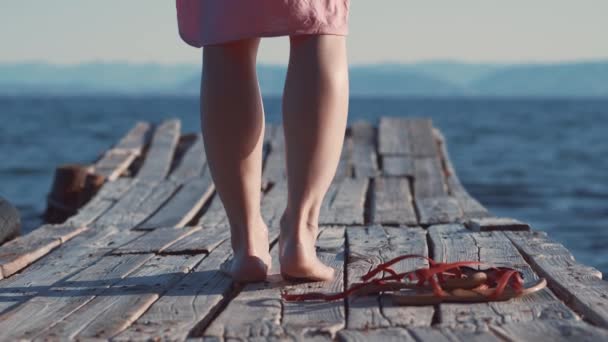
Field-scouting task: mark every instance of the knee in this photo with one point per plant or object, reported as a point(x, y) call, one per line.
point(320, 57)
point(232, 54)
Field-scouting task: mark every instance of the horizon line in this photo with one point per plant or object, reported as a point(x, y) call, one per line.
point(378, 63)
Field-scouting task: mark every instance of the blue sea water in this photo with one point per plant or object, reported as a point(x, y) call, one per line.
point(544, 161)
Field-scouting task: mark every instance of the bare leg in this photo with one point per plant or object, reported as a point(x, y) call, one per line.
point(232, 118)
point(315, 107)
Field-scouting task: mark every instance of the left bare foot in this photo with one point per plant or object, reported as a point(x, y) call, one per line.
point(298, 256)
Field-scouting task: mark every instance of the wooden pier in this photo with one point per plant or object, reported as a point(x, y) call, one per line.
point(140, 260)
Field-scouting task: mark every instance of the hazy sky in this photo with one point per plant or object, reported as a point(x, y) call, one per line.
point(64, 31)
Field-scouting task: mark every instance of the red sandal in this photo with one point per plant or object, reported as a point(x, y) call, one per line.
point(438, 283)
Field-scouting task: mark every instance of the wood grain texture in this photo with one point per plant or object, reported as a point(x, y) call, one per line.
point(436, 210)
point(406, 136)
point(35, 317)
point(345, 164)
point(118, 159)
point(139, 203)
point(203, 240)
point(393, 137)
point(429, 179)
point(183, 206)
point(550, 330)
point(392, 202)
point(160, 154)
point(274, 163)
point(344, 202)
point(122, 303)
point(451, 243)
point(388, 335)
point(364, 157)
point(367, 248)
point(76, 254)
point(398, 166)
point(273, 206)
point(496, 223)
point(113, 164)
point(191, 303)
point(192, 162)
point(580, 286)
point(319, 319)
point(215, 215)
point(258, 311)
point(254, 314)
point(423, 144)
point(22, 251)
point(136, 139)
point(156, 241)
point(443, 334)
point(105, 198)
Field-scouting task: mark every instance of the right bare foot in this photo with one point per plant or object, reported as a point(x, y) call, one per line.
point(251, 261)
point(298, 256)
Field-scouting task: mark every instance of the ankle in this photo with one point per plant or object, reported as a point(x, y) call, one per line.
point(298, 227)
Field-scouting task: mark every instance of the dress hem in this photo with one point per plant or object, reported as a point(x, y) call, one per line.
point(228, 39)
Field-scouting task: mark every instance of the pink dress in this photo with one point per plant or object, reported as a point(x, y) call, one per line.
point(207, 22)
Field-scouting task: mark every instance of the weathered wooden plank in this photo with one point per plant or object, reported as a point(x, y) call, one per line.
point(398, 166)
point(273, 206)
point(580, 286)
point(49, 306)
point(443, 334)
point(275, 163)
point(406, 136)
point(309, 320)
point(496, 223)
point(550, 330)
point(215, 215)
point(471, 208)
point(183, 206)
point(392, 203)
point(367, 248)
point(136, 138)
point(451, 243)
point(364, 158)
point(436, 210)
point(393, 136)
point(160, 154)
point(254, 314)
point(76, 254)
point(114, 163)
point(118, 159)
point(420, 133)
point(156, 241)
point(388, 335)
point(105, 198)
point(192, 163)
point(23, 250)
point(344, 202)
point(140, 201)
point(274, 168)
point(191, 303)
point(123, 302)
point(345, 164)
point(203, 240)
point(429, 178)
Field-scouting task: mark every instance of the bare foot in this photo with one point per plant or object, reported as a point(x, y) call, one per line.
point(298, 256)
point(251, 261)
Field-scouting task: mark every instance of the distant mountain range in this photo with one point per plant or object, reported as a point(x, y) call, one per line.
point(439, 78)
